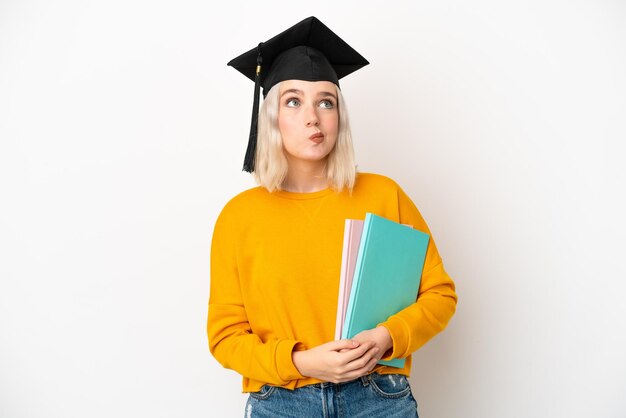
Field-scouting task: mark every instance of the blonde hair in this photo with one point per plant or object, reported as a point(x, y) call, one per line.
point(271, 164)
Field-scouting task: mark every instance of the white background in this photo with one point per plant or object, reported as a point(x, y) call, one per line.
point(122, 136)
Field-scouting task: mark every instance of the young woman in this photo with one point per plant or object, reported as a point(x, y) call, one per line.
point(276, 249)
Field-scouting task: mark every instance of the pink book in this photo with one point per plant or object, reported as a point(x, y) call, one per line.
point(351, 240)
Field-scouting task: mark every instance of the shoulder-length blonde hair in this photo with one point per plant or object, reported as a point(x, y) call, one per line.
point(270, 162)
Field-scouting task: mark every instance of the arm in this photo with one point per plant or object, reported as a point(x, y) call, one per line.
point(415, 325)
point(231, 340)
point(408, 330)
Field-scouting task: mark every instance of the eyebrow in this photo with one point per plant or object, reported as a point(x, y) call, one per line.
point(300, 92)
point(296, 91)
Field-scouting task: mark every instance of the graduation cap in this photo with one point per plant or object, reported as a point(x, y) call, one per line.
point(307, 51)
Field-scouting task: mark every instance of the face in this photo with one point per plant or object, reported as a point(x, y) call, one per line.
point(308, 120)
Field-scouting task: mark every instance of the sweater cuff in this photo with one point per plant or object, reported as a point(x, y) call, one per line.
point(287, 371)
point(399, 337)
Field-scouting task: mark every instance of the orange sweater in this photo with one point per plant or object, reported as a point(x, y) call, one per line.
point(275, 264)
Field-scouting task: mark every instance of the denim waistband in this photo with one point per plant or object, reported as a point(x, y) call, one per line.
point(365, 380)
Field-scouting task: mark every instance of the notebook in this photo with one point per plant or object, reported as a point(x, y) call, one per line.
point(387, 273)
point(351, 241)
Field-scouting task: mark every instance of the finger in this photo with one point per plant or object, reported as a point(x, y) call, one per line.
point(368, 367)
point(343, 345)
point(355, 374)
point(358, 352)
point(362, 361)
point(372, 364)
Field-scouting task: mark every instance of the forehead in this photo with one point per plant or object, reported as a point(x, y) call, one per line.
point(308, 87)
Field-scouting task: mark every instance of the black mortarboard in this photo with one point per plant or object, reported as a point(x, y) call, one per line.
point(308, 51)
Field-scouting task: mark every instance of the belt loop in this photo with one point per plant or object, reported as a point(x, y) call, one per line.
point(365, 380)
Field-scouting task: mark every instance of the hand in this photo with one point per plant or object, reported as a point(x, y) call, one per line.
point(379, 336)
point(337, 361)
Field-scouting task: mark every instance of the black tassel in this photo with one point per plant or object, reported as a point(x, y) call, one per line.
point(248, 162)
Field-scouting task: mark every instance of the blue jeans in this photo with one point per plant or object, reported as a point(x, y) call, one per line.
point(370, 396)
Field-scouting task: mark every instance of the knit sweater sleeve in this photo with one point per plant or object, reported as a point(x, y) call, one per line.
point(415, 325)
point(231, 339)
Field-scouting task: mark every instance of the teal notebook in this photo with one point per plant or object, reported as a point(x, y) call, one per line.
point(386, 276)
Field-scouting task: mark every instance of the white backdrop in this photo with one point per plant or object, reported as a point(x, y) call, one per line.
point(122, 136)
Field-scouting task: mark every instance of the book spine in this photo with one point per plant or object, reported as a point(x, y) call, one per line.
point(342, 279)
point(347, 326)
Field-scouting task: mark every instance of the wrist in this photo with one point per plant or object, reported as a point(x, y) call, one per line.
point(386, 340)
point(299, 359)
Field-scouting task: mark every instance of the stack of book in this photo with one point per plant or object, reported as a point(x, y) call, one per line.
point(381, 269)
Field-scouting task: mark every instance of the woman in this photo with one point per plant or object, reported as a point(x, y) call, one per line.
point(276, 249)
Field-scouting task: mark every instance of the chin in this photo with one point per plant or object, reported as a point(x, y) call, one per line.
point(316, 158)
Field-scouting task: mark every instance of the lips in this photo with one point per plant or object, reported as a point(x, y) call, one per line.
point(317, 138)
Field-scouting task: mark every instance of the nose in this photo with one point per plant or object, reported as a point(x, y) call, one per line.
point(312, 119)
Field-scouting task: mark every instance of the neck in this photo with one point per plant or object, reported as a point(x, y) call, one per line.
point(305, 178)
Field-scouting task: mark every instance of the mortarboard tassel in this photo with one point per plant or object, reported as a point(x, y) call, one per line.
point(248, 163)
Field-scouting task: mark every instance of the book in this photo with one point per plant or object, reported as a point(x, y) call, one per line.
point(387, 274)
point(351, 241)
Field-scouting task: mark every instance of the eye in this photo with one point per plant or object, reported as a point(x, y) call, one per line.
point(327, 104)
point(292, 102)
